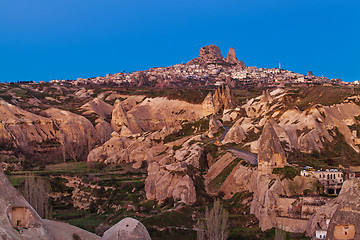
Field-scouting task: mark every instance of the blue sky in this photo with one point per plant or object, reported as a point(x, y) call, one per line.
point(67, 39)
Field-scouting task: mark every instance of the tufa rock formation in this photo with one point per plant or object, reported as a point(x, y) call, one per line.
point(231, 58)
point(154, 113)
point(127, 229)
point(214, 126)
point(236, 133)
point(120, 118)
point(45, 137)
point(222, 98)
point(211, 54)
point(343, 212)
point(169, 177)
point(271, 154)
point(208, 55)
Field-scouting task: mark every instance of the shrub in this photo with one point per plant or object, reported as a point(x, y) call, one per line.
point(286, 172)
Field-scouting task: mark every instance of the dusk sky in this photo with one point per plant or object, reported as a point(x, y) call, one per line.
point(67, 39)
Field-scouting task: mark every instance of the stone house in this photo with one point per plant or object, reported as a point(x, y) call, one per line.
point(331, 180)
point(21, 217)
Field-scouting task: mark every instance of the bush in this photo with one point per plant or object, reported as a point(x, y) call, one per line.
point(286, 172)
point(101, 229)
point(96, 165)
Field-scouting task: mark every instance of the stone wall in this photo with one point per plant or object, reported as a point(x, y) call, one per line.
point(291, 224)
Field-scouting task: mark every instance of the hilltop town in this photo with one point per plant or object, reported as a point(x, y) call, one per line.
point(209, 69)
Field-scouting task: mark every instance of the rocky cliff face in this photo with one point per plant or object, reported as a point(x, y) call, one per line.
point(212, 55)
point(270, 154)
point(20, 129)
point(344, 212)
point(222, 98)
point(120, 149)
point(208, 54)
point(76, 134)
point(97, 106)
point(308, 130)
point(45, 136)
point(170, 177)
point(231, 58)
point(120, 118)
point(155, 113)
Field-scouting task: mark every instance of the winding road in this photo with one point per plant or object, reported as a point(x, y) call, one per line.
point(247, 156)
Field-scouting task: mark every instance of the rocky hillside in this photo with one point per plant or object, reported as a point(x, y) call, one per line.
point(245, 146)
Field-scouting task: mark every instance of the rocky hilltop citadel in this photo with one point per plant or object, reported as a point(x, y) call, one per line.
point(209, 69)
point(280, 149)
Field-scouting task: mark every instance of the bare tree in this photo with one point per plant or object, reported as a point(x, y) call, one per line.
point(36, 192)
point(63, 145)
point(89, 141)
point(215, 224)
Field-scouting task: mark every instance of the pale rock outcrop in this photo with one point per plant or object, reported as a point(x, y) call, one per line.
point(19, 128)
point(168, 177)
point(97, 106)
point(120, 118)
point(125, 131)
point(120, 149)
point(36, 134)
point(231, 115)
point(222, 98)
point(127, 229)
point(343, 210)
point(134, 149)
point(271, 154)
point(84, 93)
point(208, 105)
point(266, 97)
point(208, 54)
point(307, 130)
point(165, 131)
point(169, 181)
point(268, 190)
point(131, 101)
point(76, 132)
point(155, 113)
point(191, 154)
point(273, 209)
point(236, 133)
point(242, 178)
point(214, 126)
point(231, 58)
point(103, 130)
point(65, 231)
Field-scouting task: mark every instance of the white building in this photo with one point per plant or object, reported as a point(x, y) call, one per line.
point(321, 234)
